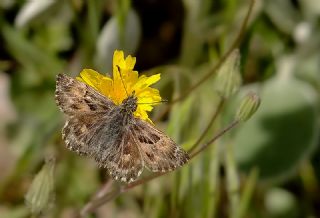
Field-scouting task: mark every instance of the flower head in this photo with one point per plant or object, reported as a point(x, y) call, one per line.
point(124, 83)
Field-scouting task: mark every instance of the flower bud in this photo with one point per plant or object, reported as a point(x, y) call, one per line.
point(40, 193)
point(228, 79)
point(248, 106)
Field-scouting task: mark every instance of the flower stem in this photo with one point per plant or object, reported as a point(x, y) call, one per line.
point(213, 118)
point(221, 133)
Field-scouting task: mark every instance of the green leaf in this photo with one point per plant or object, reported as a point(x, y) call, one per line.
point(282, 132)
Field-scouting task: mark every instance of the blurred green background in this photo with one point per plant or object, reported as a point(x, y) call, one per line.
point(268, 166)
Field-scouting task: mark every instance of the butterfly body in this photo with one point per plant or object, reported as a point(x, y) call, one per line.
point(111, 134)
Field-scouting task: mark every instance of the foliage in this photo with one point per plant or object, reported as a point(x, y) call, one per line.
point(266, 167)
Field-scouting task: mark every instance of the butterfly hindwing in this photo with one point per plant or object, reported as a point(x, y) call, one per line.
point(159, 152)
point(124, 162)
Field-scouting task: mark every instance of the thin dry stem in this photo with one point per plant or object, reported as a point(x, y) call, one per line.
point(102, 196)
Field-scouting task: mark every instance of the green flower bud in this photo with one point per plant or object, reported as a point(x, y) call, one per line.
point(40, 193)
point(248, 106)
point(228, 79)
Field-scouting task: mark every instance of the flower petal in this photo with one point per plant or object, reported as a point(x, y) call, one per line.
point(130, 62)
point(125, 81)
point(153, 79)
point(120, 92)
point(142, 114)
point(101, 83)
point(145, 81)
point(118, 59)
point(91, 77)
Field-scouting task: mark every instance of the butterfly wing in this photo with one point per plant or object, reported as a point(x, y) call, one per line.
point(121, 156)
point(110, 144)
point(79, 130)
point(84, 107)
point(74, 97)
point(159, 152)
point(114, 147)
point(92, 129)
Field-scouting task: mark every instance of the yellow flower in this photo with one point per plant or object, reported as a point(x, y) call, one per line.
point(119, 87)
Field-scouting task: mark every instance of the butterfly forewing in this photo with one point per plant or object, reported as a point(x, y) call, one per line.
point(84, 107)
point(74, 97)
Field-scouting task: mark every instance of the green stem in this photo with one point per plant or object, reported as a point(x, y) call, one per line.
point(213, 118)
point(233, 186)
point(221, 133)
point(246, 195)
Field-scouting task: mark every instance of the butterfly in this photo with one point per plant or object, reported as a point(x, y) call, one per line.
point(111, 134)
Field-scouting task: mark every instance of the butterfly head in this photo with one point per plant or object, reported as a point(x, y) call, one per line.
point(130, 104)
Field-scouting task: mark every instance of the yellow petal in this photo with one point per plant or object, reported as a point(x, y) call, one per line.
point(101, 83)
point(130, 62)
point(80, 79)
point(106, 87)
point(130, 80)
point(148, 95)
point(142, 115)
point(118, 59)
point(91, 77)
point(125, 81)
point(119, 90)
point(153, 79)
point(146, 107)
point(145, 81)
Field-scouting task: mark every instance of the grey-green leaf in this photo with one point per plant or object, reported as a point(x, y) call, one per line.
point(282, 132)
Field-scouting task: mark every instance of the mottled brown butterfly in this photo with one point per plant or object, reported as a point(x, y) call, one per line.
point(111, 134)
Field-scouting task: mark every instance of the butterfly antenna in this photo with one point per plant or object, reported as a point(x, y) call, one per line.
point(124, 85)
point(155, 102)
